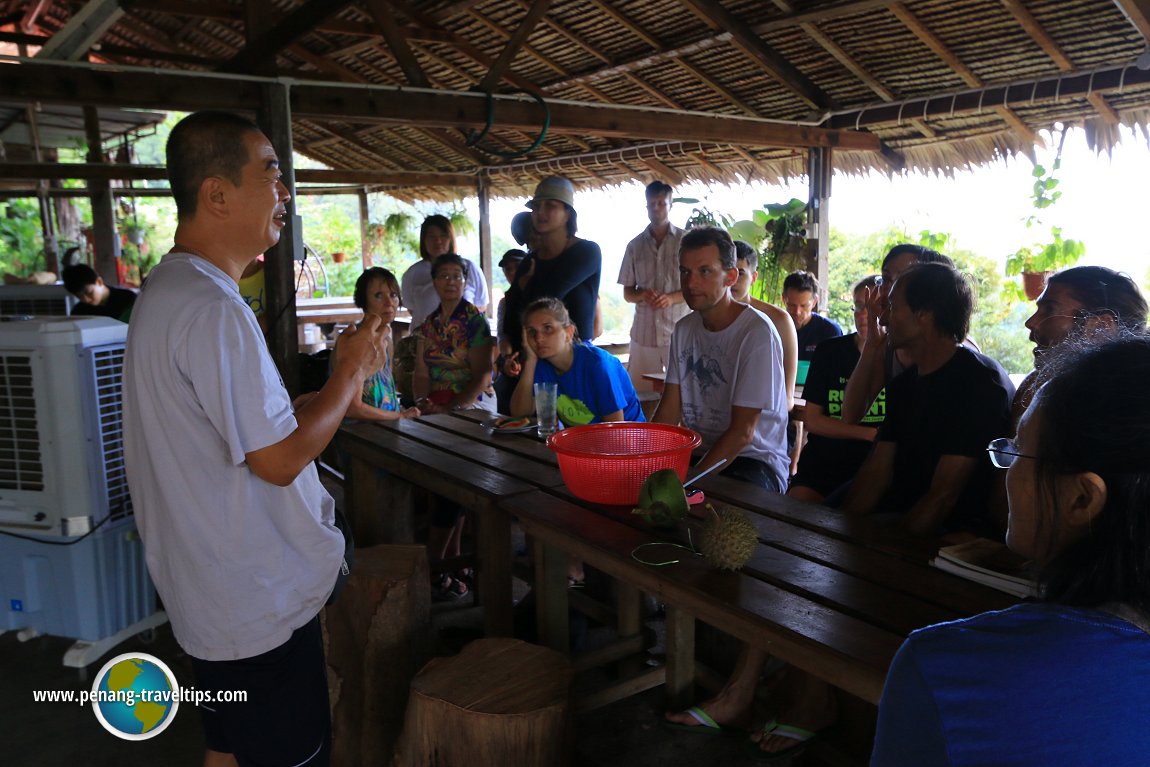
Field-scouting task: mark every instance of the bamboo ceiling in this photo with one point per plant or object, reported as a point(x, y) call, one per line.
point(935, 85)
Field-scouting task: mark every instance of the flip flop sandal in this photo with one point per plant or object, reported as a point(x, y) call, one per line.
point(802, 738)
point(706, 725)
point(448, 589)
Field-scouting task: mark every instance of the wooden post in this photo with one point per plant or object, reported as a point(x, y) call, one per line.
point(499, 702)
point(551, 606)
point(279, 262)
point(381, 506)
point(364, 215)
point(486, 258)
point(680, 657)
point(107, 243)
point(820, 168)
point(377, 635)
point(47, 226)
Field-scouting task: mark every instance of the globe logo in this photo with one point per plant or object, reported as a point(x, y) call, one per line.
point(135, 696)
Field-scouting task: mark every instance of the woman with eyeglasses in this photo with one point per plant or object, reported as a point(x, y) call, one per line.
point(1065, 680)
point(452, 372)
point(453, 357)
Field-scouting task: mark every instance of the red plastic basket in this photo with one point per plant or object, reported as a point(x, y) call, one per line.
point(607, 462)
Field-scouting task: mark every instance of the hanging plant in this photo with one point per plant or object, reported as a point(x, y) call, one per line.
point(1036, 261)
point(786, 231)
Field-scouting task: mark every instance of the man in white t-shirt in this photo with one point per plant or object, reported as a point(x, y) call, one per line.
point(238, 533)
point(725, 368)
point(650, 279)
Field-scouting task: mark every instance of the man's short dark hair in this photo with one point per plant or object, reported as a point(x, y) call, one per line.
point(1101, 290)
point(202, 145)
point(944, 292)
point(703, 236)
point(922, 254)
point(744, 252)
point(801, 282)
point(77, 277)
point(658, 189)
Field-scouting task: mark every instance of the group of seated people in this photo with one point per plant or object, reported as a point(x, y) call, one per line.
point(899, 414)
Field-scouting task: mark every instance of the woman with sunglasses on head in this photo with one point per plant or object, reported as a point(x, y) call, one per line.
point(1062, 681)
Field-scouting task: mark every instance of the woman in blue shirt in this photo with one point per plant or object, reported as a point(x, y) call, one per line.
point(1064, 680)
point(593, 385)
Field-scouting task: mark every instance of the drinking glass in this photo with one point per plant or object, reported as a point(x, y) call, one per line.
point(546, 402)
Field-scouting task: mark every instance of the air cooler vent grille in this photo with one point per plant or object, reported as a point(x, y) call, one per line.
point(56, 306)
point(108, 366)
point(20, 464)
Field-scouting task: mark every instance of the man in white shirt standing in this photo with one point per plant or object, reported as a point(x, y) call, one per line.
point(725, 370)
point(239, 535)
point(650, 279)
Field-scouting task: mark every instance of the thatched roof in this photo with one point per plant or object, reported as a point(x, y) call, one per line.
point(933, 85)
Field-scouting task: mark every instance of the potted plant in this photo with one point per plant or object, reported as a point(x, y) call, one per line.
point(338, 257)
point(1038, 261)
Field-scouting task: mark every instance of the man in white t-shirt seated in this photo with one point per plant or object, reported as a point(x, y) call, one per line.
point(725, 368)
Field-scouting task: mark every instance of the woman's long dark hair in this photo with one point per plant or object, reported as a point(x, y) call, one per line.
point(1094, 415)
point(439, 222)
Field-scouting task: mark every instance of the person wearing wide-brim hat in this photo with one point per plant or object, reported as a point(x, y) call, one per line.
point(560, 265)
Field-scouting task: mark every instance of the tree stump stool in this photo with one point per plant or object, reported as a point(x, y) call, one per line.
point(377, 636)
point(499, 702)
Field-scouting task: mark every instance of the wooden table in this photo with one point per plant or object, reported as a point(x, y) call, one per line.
point(455, 457)
point(832, 595)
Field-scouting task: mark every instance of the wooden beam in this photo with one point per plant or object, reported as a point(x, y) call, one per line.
point(454, 9)
point(511, 49)
point(82, 31)
point(92, 171)
point(725, 93)
point(325, 64)
point(188, 92)
point(290, 28)
point(384, 18)
point(756, 47)
point(666, 174)
point(1138, 13)
point(1052, 49)
point(1073, 84)
point(723, 38)
point(948, 57)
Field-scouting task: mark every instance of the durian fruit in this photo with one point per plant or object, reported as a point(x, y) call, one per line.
point(729, 538)
point(662, 500)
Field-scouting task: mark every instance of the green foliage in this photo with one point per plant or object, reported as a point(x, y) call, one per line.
point(852, 257)
point(21, 238)
point(785, 225)
point(1056, 253)
point(997, 324)
point(1046, 257)
point(777, 232)
point(701, 215)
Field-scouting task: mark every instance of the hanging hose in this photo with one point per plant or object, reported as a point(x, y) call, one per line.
point(473, 139)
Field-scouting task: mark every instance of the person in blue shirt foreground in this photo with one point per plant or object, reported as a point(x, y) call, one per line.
point(593, 385)
point(1063, 680)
